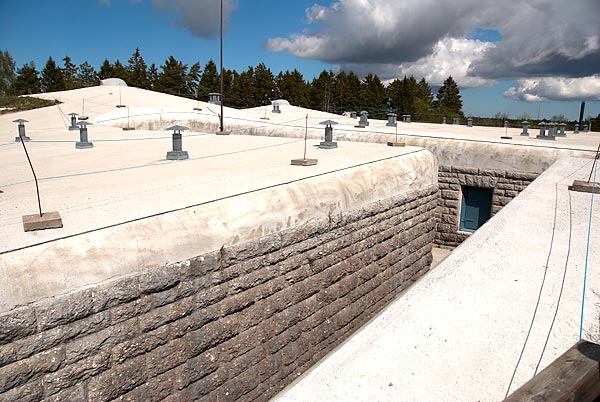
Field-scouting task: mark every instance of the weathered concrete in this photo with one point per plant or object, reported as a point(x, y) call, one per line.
point(264, 194)
point(237, 323)
point(457, 334)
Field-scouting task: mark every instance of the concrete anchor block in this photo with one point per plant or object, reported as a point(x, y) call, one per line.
point(177, 155)
point(304, 162)
point(48, 220)
point(585, 186)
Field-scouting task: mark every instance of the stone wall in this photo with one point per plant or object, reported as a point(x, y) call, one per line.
point(506, 185)
point(238, 323)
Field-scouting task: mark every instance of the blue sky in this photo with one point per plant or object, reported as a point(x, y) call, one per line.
point(419, 37)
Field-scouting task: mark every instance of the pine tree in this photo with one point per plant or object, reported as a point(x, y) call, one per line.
point(424, 98)
point(322, 91)
point(373, 93)
point(172, 79)
point(346, 91)
point(7, 72)
point(152, 76)
point(137, 71)
point(119, 71)
point(293, 87)
point(448, 98)
point(262, 84)
point(27, 81)
point(70, 74)
point(228, 77)
point(52, 77)
point(193, 80)
point(86, 75)
point(106, 70)
point(209, 82)
point(241, 90)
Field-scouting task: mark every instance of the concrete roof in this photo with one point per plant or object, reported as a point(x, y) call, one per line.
point(125, 207)
point(479, 147)
point(457, 334)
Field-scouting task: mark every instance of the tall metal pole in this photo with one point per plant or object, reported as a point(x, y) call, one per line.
point(221, 56)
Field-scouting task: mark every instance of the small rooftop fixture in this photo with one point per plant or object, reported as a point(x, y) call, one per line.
point(177, 153)
point(22, 135)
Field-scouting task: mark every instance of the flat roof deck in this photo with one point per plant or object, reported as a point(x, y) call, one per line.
point(457, 334)
point(126, 176)
point(145, 105)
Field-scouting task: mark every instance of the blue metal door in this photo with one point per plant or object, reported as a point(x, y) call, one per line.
point(475, 208)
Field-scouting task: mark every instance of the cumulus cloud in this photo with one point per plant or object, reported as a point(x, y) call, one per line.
point(556, 88)
point(448, 57)
point(539, 37)
point(200, 17)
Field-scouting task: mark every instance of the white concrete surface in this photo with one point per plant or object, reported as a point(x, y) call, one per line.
point(125, 208)
point(452, 144)
point(456, 335)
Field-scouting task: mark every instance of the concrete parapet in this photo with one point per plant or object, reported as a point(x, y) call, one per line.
point(275, 302)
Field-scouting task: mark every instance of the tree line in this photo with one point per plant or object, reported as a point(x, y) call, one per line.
point(332, 92)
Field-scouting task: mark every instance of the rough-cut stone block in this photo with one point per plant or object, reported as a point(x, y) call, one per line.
point(243, 321)
point(130, 310)
point(92, 344)
point(117, 381)
point(22, 371)
point(202, 365)
point(521, 176)
point(73, 394)
point(165, 314)
point(30, 392)
point(207, 384)
point(48, 220)
point(167, 357)
point(158, 279)
point(72, 374)
point(17, 324)
point(48, 339)
point(154, 390)
point(465, 170)
point(8, 354)
point(65, 309)
point(115, 293)
point(140, 344)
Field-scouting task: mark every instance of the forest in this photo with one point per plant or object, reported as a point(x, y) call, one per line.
point(256, 86)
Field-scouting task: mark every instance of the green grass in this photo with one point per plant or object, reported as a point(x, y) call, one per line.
point(21, 103)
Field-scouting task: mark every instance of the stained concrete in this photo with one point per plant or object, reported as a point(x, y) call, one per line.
point(115, 199)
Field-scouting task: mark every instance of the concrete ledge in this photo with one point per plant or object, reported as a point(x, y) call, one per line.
point(48, 220)
point(63, 265)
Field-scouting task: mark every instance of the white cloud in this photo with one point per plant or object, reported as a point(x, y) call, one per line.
point(450, 57)
point(200, 17)
point(539, 37)
point(556, 88)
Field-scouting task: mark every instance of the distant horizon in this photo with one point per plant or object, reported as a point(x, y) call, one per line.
point(333, 36)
